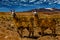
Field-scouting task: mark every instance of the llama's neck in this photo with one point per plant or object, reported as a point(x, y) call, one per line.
point(13, 14)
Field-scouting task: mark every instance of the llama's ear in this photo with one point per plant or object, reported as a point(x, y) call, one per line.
point(12, 11)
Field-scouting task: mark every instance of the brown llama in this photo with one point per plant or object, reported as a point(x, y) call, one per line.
point(20, 24)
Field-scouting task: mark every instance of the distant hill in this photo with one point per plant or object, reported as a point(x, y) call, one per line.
point(46, 9)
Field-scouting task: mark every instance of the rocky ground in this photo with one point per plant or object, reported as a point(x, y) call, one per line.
point(9, 33)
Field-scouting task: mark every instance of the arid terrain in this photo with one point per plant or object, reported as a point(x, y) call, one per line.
point(9, 27)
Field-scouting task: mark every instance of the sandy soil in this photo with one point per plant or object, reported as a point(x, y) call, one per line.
point(9, 33)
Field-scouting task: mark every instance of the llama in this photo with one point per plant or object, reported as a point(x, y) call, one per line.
point(20, 27)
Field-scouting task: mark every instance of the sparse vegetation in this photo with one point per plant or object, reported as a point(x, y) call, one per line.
point(8, 25)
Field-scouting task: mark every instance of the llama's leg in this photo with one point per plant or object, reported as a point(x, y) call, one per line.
point(28, 29)
point(29, 32)
point(32, 32)
point(54, 32)
point(51, 30)
point(20, 31)
point(42, 31)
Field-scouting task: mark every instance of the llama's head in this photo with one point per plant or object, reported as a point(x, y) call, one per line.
point(13, 14)
point(34, 12)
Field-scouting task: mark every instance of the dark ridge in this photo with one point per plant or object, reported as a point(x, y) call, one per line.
point(45, 10)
